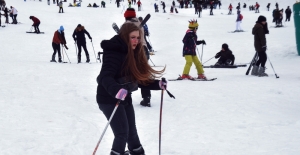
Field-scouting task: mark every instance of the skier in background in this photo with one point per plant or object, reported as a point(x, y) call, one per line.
point(259, 31)
point(36, 24)
point(79, 38)
point(225, 56)
point(58, 38)
point(230, 9)
point(189, 52)
point(238, 22)
point(288, 13)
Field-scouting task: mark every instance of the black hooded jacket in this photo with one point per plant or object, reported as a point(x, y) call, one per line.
point(80, 38)
point(111, 77)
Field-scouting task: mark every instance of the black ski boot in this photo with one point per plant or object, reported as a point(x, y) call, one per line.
point(116, 153)
point(87, 59)
point(53, 59)
point(59, 60)
point(79, 59)
point(146, 102)
point(138, 151)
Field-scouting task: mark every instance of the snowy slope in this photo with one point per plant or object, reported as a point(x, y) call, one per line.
point(50, 109)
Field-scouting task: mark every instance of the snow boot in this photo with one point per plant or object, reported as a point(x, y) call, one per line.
point(254, 70)
point(59, 60)
point(87, 59)
point(116, 153)
point(201, 76)
point(53, 59)
point(146, 102)
point(79, 59)
point(138, 151)
point(261, 72)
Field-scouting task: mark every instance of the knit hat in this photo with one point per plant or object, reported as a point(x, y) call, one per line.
point(79, 25)
point(129, 13)
point(261, 19)
point(225, 46)
point(193, 24)
point(61, 28)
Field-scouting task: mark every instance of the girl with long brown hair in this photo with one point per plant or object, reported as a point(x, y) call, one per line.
point(124, 69)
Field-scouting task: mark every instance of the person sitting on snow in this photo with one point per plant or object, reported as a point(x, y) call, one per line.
point(95, 5)
point(225, 56)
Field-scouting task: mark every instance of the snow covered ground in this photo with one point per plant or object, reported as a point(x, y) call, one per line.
point(50, 108)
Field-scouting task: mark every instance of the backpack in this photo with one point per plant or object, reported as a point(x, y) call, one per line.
point(241, 16)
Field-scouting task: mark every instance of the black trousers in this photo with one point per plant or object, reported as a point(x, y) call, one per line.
point(62, 10)
point(262, 58)
point(288, 18)
point(56, 48)
point(36, 27)
point(123, 126)
point(83, 45)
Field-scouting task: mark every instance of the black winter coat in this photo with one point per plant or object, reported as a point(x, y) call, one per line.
point(224, 56)
point(80, 38)
point(110, 79)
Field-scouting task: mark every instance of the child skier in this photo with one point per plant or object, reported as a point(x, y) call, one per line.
point(189, 52)
point(225, 56)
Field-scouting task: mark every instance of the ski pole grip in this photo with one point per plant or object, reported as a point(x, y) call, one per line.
point(163, 79)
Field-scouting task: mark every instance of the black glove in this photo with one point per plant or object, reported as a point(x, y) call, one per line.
point(201, 42)
point(91, 39)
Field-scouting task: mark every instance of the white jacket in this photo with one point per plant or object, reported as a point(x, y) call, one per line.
point(14, 11)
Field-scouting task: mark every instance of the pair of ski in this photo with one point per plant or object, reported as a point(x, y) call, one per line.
point(225, 66)
point(194, 79)
point(36, 33)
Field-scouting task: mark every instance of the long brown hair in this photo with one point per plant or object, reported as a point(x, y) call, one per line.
point(136, 67)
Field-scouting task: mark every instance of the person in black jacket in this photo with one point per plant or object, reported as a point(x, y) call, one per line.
point(80, 40)
point(124, 69)
point(225, 56)
point(288, 13)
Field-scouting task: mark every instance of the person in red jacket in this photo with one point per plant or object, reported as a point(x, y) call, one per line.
point(139, 3)
point(230, 9)
point(36, 24)
point(58, 38)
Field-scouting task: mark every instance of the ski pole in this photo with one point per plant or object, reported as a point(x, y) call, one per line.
point(152, 61)
point(201, 53)
point(76, 50)
point(208, 60)
point(160, 116)
point(30, 29)
point(150, 41)
point(251, 63)
point(110, 118)
point(94, 50)
point(273, 68)
point(62, 52)
point(67, 55)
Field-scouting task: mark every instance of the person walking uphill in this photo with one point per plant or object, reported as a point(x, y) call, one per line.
point(58, 38)
point(79, 38)
point(36, 24)
point(259, 31)
point(189, 52)
point(124, 69)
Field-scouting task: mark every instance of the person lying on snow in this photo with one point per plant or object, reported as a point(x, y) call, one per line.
point(225, 56)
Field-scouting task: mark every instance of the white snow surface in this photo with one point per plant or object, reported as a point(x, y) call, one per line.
point(50, 108)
